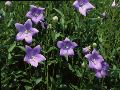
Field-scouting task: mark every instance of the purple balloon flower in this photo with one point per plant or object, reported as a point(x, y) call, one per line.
point(82, 6)
point(25, 31)
point(36, 14)
point(32, 55)
point(103, 72)
point(66, 47)
point(95, 60)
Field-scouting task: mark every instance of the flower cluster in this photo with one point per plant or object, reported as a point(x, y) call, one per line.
point(36, 15)
point(26, 32)
point(96, 62)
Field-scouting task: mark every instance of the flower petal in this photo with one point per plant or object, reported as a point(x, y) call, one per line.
point(20, 27)
point(35, 20)
point(36, 50)
point(34, 63)
point(88, 6)
point(95, 65)
point(76, 5)
point(82, 10)
point(70, 51)
point(34, 31)
point(74, 44)
point(28, 24)
point(67, 39)
point(28, 38)
point(60, 44)
point(20, 36)
point(40, 58)
point(29, 15)
point(63, 52)
point(88, 56)
point(101, 74)
point(28, 49)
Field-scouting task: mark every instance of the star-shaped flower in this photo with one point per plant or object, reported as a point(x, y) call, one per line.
point(82, 6)
point(32, 55)
point(25, 31)
point(66, 47)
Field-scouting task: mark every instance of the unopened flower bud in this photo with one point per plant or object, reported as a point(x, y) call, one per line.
point(8, 3)
point(55, 18)
point(83, 64)
point(49, 26)
point(94, 45)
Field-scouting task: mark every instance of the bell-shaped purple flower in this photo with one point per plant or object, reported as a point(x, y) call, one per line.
point(95, 60)
point(66, 47)
point(82, 6)
point(36, 14)
point(32, 55)
point(103, 72)
point(25, 31)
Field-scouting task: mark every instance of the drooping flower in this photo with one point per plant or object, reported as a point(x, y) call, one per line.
point(95, 60)
point(82, 6)
point(66, 47)
point(103, 72)
point(8, 3)
point(36, 14)
point(32, 55)
point(25, 31)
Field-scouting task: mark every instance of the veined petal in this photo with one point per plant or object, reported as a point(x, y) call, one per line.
point(88, 6)
point(63, 52)
point(36, 50)
point(67, 39)
point(70, 51)
point(28, 49)
point(95, 65)
point(34, 31)
point(20, 36)
point(101, 74)
point(20, 27)
point(35, 20)
point(88, 56)
point(29, 15)
point(40, 58)
point(28, 38)
point(82, 10)
point(60, 44)
point(28, 24)
point(76, 5)
point(34, 63)
point(74, 44)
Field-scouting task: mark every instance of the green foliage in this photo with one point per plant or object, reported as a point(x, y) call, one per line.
point(60, 73)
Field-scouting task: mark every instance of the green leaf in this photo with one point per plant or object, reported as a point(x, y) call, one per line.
point(21, 47)
point(51, 48)
point(9, 56)
point(12, 47)
point(62, 15)
point(28, 87)
point(38, 80)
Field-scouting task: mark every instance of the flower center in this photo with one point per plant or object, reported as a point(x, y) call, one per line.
point(32, 58)
point(27, 31)
point(66, 47)
point(94, 61)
